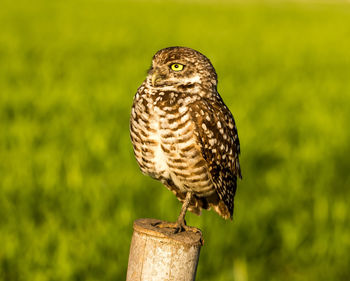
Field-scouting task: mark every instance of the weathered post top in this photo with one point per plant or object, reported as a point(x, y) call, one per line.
point(157, 253)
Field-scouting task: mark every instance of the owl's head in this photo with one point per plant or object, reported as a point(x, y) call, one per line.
point(181, 67)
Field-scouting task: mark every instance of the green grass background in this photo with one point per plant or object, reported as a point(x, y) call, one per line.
point(70, 187)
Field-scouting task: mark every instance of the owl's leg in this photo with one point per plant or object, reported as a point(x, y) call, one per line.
point(181, 223)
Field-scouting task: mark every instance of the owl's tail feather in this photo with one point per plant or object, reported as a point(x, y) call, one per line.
point(212, 201)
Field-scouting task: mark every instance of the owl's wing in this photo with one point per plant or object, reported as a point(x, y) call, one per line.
point(218, 139)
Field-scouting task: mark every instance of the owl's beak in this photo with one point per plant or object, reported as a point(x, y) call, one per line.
point(155, 76)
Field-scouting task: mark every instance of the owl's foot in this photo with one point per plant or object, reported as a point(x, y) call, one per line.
point(182, 226)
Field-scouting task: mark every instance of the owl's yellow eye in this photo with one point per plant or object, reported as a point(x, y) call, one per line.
point(177, 66)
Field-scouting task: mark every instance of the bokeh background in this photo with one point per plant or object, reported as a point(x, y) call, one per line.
point(70, 187)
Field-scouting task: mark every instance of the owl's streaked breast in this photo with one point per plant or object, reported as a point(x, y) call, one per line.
point(165, 142)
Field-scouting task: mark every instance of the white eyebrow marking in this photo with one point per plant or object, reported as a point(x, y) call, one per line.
point(191, 80)
point(195, 79)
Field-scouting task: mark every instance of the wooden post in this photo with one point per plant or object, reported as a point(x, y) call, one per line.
point(157, 254)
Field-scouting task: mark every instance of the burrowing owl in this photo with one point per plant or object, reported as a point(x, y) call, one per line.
point(184, 135)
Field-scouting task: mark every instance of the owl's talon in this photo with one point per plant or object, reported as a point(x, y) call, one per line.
point(180, 226)
point(185, 228)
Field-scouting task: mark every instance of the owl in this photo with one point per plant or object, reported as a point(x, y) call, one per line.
point(184, 135)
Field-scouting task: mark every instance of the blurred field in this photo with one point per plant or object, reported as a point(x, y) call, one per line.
point(70, 187)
